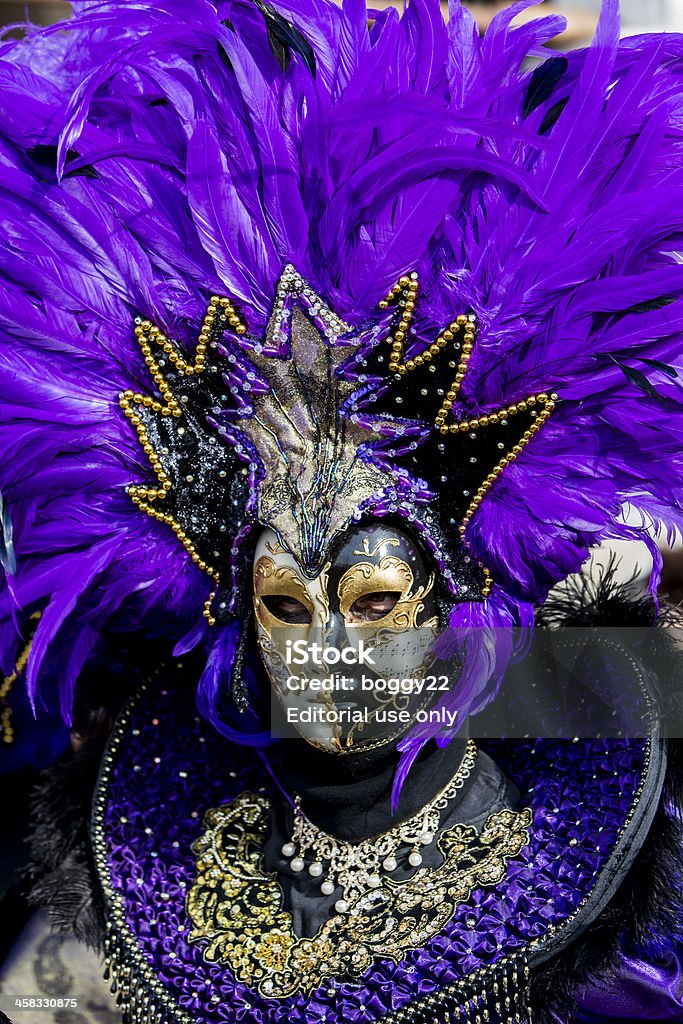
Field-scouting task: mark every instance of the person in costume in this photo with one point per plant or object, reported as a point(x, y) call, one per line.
point(336, 325)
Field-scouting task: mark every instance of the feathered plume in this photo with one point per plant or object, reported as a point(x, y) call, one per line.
point(157, 153)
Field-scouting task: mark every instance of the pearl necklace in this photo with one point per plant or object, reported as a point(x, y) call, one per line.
point(356, 867)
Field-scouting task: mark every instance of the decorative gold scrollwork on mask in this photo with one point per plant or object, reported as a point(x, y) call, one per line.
point(393, 575)
point(271, 579)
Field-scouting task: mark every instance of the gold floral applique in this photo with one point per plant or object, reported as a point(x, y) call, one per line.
point(236, 907)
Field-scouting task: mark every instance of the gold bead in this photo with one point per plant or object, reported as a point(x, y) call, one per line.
point(399, 336)
point(461, 320)
point(404, 282)
point(240, 329)
point(383, 304)
point(410, 365)
point(447, 335)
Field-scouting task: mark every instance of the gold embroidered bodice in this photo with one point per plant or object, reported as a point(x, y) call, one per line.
point(237, 907)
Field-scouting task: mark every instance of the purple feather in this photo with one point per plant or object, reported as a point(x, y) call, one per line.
point(156, 151)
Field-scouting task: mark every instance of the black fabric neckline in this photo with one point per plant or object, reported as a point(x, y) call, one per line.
point(350, 797)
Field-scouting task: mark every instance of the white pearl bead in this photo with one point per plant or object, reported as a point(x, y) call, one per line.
point(342, 906)
point(327, 888)
point(426, 838)
point(296, 864)
point(289, 849)
point(415, 859)
point(374, 881)
point(390, 864)
point(316, 869)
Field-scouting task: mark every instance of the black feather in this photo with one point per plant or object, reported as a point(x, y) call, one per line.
point(285, 37)
point(552, 116)
point(639, 380)
point(657, 364)
point(652, 304)
point(61, 876)
point(543, 82)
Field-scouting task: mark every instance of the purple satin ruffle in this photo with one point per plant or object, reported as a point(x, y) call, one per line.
point(638, 992)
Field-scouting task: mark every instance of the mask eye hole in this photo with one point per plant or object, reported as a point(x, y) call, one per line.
point(374, 606)
point(287, 609)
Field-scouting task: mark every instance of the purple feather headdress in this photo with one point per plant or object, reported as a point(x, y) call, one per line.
point(487, 258)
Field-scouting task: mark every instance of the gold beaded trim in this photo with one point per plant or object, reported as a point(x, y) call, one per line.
point(407, 289)
point(6, 727)
point(149, 335)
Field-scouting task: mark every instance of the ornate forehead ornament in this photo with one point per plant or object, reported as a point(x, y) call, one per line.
point(314, 426)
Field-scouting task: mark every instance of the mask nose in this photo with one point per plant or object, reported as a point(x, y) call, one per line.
point(330, 634)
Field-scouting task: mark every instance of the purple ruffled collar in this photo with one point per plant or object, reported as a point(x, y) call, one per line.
point(165, 768)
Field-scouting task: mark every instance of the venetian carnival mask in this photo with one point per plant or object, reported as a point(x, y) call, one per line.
point(347, 649)
point(310, 427)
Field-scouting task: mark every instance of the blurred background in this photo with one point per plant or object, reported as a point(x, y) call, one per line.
point(638, 15)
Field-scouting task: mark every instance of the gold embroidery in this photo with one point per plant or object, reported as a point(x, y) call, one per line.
point(237, 907)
